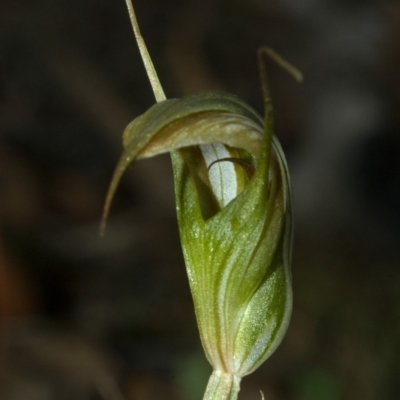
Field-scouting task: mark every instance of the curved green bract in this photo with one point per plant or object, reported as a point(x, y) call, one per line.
point(147, 128)
point(166, 112)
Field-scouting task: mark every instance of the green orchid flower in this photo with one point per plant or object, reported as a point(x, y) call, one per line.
point(234, 209)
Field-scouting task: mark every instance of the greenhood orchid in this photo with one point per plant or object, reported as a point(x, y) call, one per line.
point(233, 202)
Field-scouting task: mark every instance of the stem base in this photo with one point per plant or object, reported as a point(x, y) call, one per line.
point(222, 386)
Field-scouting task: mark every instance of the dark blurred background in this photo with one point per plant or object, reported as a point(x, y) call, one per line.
point(87, 318)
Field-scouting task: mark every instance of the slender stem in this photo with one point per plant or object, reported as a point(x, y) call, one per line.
point(148, 64)
point(222, 386)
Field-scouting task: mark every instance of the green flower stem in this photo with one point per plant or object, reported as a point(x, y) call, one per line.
point(222, 386)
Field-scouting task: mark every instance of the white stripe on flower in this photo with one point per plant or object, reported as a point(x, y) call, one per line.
point(222, 175)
